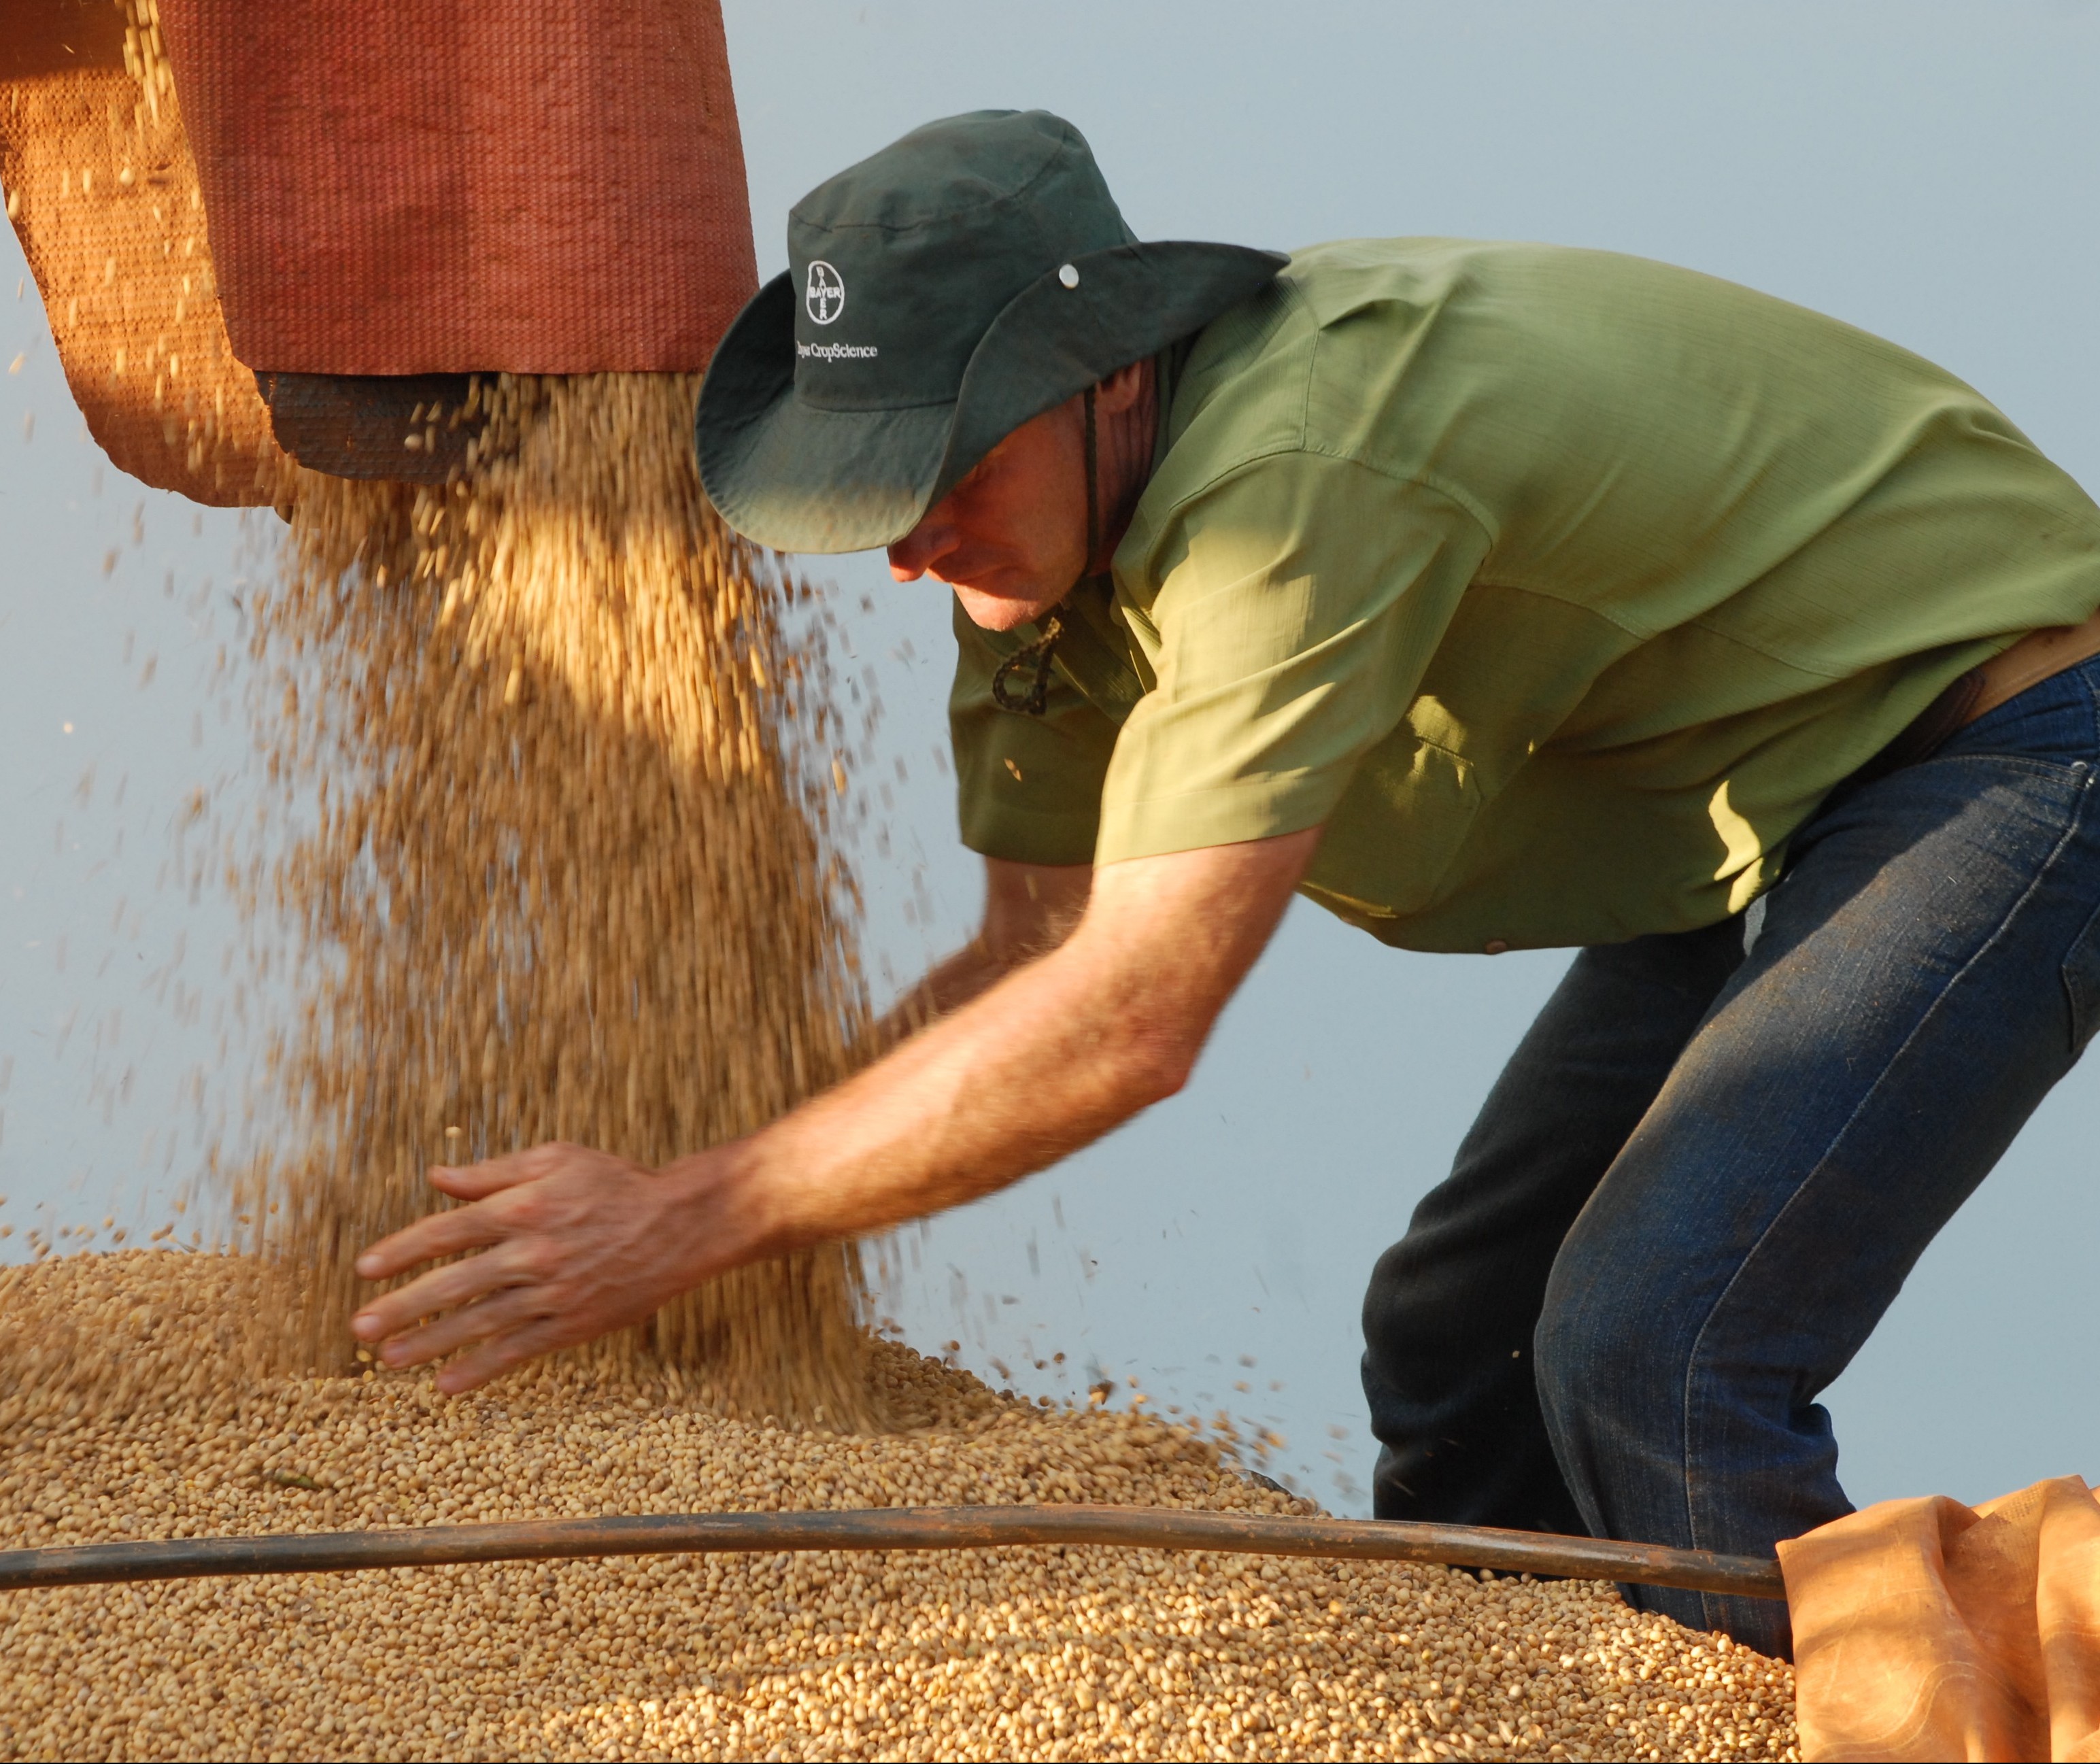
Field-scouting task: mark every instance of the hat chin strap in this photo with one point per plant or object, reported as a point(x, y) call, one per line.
point(1051, 626)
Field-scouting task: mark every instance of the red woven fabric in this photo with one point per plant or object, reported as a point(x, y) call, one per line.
point(405, 187)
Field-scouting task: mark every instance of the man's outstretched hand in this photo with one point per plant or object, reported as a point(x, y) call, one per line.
point(1020, 1070)
point(573, 1243)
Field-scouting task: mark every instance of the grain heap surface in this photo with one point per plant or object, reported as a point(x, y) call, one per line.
point(548, 858)
point(1026, 1653)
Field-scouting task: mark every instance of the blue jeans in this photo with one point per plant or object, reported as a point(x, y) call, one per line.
point(1705, 1174)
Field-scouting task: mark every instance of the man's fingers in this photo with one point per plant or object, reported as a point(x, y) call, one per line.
point(531, 1215)
point(442, 1288)
point(492, 1316)
point(463, 1227)
point(491, 1175)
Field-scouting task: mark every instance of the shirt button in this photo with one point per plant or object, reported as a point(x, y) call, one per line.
point(1496, 945)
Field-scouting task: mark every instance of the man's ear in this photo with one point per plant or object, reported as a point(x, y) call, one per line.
point(1122, 388)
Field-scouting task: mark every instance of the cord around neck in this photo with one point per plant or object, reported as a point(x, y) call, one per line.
point(1040, 654)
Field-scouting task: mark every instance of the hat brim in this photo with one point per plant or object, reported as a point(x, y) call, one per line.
point(795, 478)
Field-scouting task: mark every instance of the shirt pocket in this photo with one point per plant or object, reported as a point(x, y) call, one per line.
point(1398, 830)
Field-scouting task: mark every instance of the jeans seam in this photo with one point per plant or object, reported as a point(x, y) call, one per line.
point(2022, 762)
point(2080, 1012)
point(2073, 823)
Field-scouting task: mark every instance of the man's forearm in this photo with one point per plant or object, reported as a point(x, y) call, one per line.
point(1034, 1067)
point(1043, 1061)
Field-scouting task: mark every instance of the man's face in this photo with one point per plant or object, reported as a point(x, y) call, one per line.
point(1010, 538)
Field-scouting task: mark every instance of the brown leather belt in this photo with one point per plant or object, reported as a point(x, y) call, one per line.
point(2031, 660)
point(2034, 658)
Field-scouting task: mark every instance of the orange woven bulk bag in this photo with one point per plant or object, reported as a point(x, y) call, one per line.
point(104, 196)
point(399, 186)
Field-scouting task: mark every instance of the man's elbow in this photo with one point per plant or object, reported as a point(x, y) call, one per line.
point(1161, 1059)
point(1167, 1078)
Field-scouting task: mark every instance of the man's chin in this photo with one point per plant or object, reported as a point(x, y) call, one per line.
point(999, 612)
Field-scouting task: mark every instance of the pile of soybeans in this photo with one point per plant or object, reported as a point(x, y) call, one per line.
point(552, 772)
point(1033, 1653)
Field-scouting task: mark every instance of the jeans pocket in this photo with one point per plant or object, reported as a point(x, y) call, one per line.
point(2081, 983)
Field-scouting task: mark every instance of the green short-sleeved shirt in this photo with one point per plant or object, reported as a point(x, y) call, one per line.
point(1559, 586)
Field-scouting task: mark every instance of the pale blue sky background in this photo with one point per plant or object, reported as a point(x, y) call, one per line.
point(1923, 169)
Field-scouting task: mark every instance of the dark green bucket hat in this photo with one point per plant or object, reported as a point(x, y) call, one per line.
point(939, 295)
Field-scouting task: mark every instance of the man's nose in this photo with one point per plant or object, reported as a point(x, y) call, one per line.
point(924, 546)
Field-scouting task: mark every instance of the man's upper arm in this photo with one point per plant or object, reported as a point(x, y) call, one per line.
point(1299, 602)
point(1028, 789)
point(1031, 907)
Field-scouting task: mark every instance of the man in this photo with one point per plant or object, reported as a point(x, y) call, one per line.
point(1493, 597)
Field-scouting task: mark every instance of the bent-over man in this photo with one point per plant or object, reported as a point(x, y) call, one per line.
point(1494, 597)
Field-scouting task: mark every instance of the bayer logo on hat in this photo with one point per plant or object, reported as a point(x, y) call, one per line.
point(825, 294)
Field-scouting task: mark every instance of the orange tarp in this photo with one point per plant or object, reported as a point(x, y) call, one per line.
point(1924, 1628)
point(203, 188)
point(396, 187)
point(104, 196)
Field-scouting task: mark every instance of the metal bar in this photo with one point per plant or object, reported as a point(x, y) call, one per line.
point(909, 1527)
